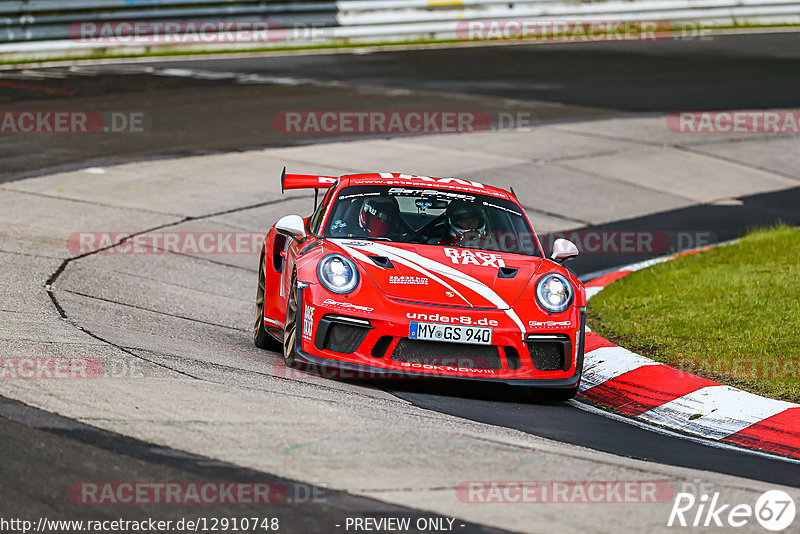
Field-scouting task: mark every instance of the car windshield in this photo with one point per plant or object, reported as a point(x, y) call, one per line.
point(409, 214)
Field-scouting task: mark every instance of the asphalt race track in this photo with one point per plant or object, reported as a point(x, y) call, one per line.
point(222, 104)
point(146, 308)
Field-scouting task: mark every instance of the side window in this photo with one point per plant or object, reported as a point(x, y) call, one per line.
point(316, 218)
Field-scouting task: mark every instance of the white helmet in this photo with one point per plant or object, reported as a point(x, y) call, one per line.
point(465, 218)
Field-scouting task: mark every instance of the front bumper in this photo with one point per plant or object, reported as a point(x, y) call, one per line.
point(361, 360)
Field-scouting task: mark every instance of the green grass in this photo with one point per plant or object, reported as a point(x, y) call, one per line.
point(731, 314)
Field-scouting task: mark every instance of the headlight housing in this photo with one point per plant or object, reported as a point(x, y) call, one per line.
point(554, 292)
point(337, 273)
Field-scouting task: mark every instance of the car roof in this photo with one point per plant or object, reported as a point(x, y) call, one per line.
point(413, 180)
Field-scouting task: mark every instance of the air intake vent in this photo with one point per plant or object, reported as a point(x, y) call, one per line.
point(449, 354)
point(507, 272)
point(381, 346)
point(512, 357)
point(340, 334)
point(550, 353)
point(382, 261)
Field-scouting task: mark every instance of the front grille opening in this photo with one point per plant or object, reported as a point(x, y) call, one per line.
point(342, 338)
point(549, 354)
point(512, 358)
point(447, 354)
point(381, 346)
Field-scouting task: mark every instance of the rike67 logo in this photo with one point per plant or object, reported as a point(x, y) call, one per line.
point(774, 510)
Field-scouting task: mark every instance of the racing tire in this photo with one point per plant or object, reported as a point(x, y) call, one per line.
point(261, 338)
point(290, 327)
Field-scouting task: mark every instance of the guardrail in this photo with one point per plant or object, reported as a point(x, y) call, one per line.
point(36, 20)
point(444, 18)
point(31, 25)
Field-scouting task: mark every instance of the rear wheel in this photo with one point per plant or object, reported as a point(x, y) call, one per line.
point(290, 326)
point(261, 337)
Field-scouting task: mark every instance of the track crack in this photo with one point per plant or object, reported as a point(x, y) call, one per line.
point(142, 308)
point(50, 283)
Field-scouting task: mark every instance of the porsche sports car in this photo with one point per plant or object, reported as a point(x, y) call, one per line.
point(405, 276)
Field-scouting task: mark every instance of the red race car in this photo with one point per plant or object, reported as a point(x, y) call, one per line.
point(404, 276)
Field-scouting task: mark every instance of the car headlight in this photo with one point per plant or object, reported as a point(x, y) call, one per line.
point(337, 273)
point(554, 292)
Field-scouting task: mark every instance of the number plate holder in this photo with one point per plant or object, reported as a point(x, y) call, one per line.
point(450, 333)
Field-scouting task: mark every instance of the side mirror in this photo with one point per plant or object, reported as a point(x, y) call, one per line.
point(292, 226)
point(563, 250)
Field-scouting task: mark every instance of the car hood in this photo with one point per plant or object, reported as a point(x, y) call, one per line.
point(443, 276)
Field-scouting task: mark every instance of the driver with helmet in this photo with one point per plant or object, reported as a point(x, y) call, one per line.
point(465, 221)
point(379, 216)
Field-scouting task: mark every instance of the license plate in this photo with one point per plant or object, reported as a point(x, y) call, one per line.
point(472, 335)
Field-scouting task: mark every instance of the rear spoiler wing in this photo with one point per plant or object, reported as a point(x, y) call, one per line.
point(306, 181)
